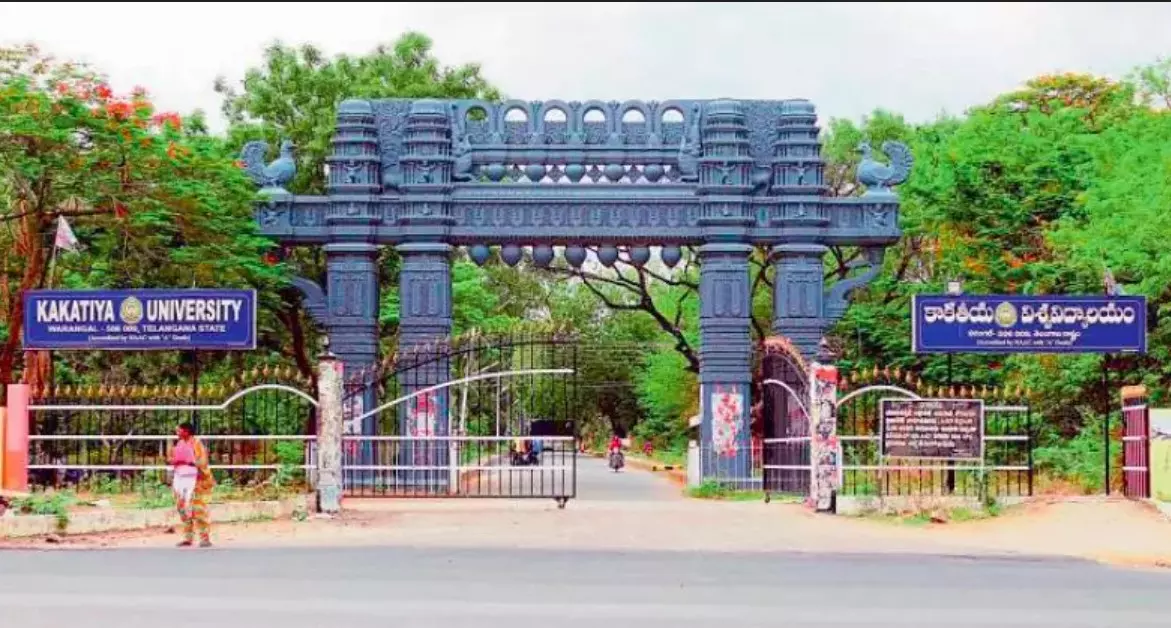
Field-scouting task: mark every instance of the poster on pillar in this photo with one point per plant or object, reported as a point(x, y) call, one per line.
point(423, 414)
point(727, 404)
point(352, 410)
point(826, 448)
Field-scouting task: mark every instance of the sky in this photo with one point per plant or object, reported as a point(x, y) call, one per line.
point(920, 59)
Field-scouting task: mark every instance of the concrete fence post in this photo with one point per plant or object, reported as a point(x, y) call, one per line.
point(330, 426)
point(826, 449)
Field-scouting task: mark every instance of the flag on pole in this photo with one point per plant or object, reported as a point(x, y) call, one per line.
point(65, 238)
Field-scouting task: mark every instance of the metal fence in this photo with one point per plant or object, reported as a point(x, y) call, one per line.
point(446, 419)
point(92, 437)
point(1005, 470)
point(774, 466)
point(1136, 444)
point(786, 447)
point(461, 466)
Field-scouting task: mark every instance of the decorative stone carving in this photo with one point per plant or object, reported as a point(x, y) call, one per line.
point(273, 176)
point(879, 178)
point(724, 176)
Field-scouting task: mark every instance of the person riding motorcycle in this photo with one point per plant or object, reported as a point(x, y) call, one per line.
point(615, 444)
point(617, 460)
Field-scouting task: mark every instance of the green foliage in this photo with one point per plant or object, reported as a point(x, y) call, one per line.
point(290, 456)
point(711, 489)
point(154, 200)
point(1079, 460)
point(670, 396)
point(47, 503)
point(152, 496)
point(55, 503)
point(295, 94)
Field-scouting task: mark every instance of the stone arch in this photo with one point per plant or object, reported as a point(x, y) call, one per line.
point(671, 131)
point(607, 113)
point(472, 118)
point(633, 134)
point(550, 107)
point(502, 113)
point(635, 105)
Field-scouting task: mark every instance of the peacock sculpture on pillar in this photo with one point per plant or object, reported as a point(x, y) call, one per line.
point(878, 177)
point(274, 176)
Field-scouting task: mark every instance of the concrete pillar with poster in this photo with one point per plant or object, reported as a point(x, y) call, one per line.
point(825, 448)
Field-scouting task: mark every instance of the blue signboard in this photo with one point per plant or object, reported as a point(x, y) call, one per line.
point(139, 320)
point(1019, 324)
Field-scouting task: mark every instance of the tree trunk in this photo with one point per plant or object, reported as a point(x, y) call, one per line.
point(31, 243)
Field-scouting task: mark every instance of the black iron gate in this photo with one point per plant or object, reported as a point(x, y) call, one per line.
point(785, 447)
point(474, 416)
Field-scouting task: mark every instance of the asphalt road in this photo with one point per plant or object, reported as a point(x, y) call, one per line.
point(597, 482)
point(379, 587)
point(555, 476)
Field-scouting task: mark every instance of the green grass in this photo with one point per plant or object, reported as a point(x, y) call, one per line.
point(921, 518)
point(56, 503)
point(717, 491)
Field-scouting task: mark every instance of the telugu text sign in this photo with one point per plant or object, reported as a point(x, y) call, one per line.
point(140, 320)
point(945, 429)
point(1020, 324)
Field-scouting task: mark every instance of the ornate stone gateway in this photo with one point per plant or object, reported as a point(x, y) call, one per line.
point(722, 176)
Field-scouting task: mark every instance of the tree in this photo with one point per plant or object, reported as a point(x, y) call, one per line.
point(985, 193)
point(155, 200)
point(294, 95)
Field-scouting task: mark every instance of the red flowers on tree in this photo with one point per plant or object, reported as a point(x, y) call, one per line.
point(119, 110)
point(168, 119)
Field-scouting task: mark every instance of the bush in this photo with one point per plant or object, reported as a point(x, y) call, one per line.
point(1078, 460)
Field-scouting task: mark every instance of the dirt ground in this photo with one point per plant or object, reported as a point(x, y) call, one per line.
point(1115, 531)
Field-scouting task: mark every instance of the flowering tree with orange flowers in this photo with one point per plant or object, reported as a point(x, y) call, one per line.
point(154, 200)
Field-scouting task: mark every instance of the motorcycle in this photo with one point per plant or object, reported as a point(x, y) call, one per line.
point(526, 455)
point(617, 460)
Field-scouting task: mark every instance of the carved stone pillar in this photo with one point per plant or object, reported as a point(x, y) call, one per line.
point(424, 328)
point(425, 291)
point(352, 323)
point(725, 361)
point(798, 310)
point(348, 309)
point(726, 215)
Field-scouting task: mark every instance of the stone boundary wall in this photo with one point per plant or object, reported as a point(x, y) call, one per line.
point(113, 520)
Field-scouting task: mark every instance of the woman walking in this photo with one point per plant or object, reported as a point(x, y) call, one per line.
point(192, 484)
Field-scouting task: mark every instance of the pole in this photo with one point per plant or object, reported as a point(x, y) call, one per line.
point(195, 387)
point(950, 478)
point(1106, 421)
point(51, 380)
point(195, 377)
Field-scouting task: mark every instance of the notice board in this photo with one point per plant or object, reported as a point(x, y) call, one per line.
point(940, 429)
